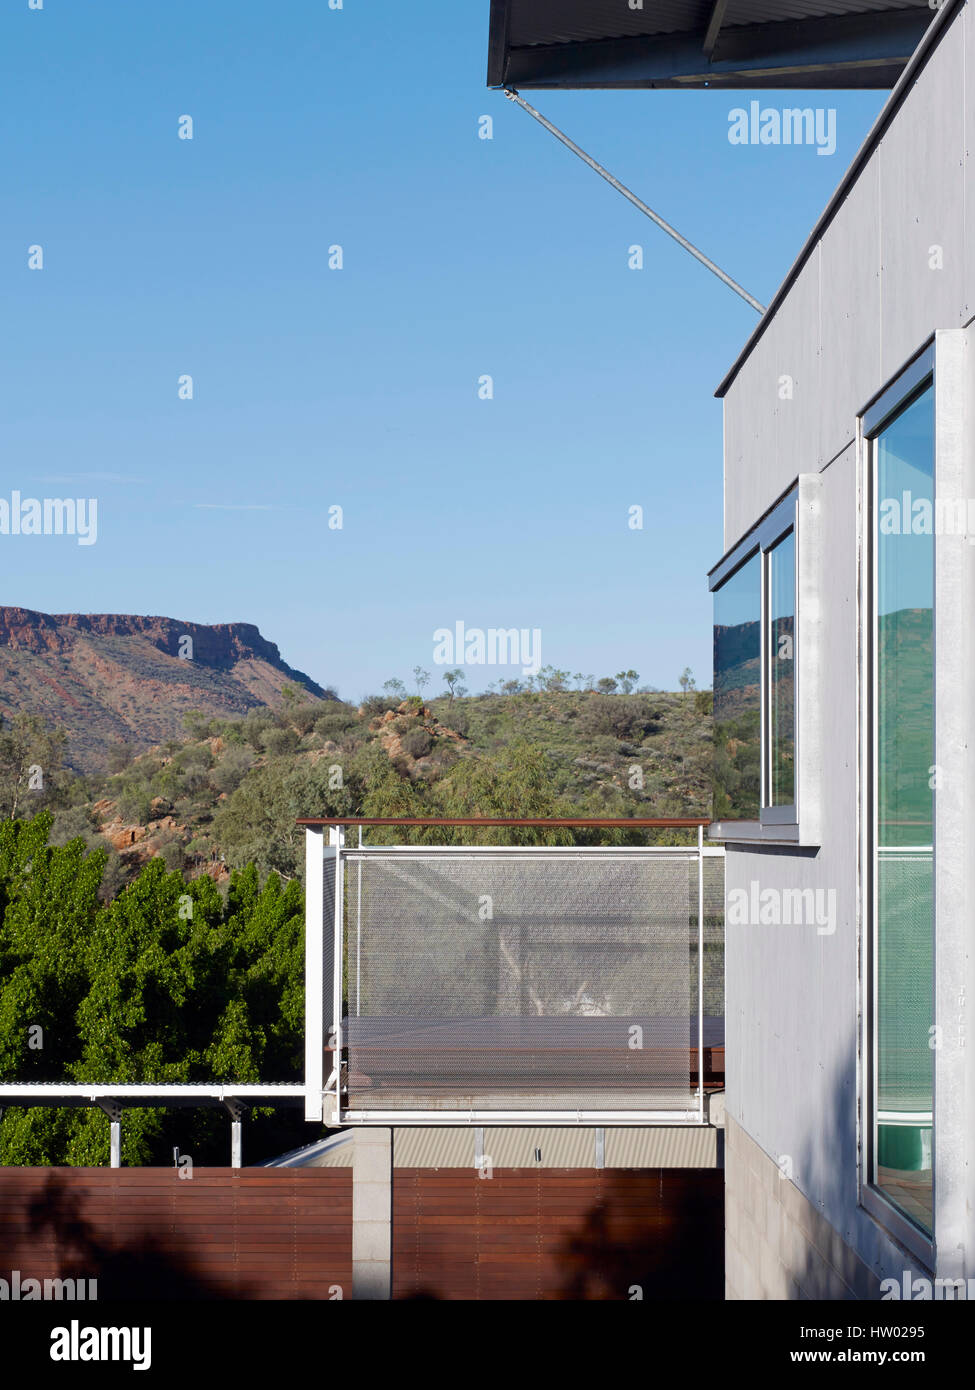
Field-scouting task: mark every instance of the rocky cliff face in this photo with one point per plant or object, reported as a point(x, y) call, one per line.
point(111, 678)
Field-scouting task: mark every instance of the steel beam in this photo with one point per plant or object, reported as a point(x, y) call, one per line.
point(714, 27)
point(236, 1112)
point(114, 1112)
point(314, 971)
point(147, 1094)
point(565, 1119)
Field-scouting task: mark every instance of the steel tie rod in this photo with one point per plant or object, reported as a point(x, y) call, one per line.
point(664, 226)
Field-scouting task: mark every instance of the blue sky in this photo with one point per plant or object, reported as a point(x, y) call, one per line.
point(358, 387)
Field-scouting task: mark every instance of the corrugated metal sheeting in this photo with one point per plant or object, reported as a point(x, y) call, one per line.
point(514, 1147)
point(737, 43)
point(569, 21)
point(661, 1148)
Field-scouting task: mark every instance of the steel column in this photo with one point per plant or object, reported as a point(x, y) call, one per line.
point(314, 971)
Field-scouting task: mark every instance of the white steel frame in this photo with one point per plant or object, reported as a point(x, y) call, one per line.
point(324, 1102)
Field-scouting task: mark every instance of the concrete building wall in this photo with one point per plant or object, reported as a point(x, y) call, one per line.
point(372, 1214)
point(865, 302)
point(792, 991)
point(778, 1245)
point(866, 299)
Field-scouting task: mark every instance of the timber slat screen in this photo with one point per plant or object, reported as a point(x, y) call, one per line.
point(533, 1233)
point(147, 1233)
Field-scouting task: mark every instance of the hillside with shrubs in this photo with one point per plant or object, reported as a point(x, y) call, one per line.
point(227, 793)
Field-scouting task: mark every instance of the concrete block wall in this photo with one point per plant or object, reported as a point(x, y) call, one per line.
point(777, 1245)
point(372, 1214)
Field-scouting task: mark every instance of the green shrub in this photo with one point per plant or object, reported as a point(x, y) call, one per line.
point(418, 743)
point(331, 725)
point(457, 718)
point(173, 854)
point(279, 742)
point(135, 804)
point(375, 705)
point(619, 716)
point(231, 769)
point(301, 717)
point(254, 725)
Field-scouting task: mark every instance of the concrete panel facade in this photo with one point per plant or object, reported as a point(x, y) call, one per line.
point(792, 991)
point(868, 298)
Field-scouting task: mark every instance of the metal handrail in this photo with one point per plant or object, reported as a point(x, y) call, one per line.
point(547, 822)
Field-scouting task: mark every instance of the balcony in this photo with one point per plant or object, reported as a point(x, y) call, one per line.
point(513, 984)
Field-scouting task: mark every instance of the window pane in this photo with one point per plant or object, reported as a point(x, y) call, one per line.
point(904, 812)
point(782, 667)
point(737, 694)
point(905, 612)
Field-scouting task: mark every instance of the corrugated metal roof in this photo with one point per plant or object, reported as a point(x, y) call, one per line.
point(559, 1148)
point(333, 1152)
point(763, 11)
point(433, 1148)
point(514, 1147)
point(571, 1147)
point(565, 21)
point(661, 1148)
point(729, 43)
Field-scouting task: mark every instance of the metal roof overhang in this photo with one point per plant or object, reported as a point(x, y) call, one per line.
point(574, 44)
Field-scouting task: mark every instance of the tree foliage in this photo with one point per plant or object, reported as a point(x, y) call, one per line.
point(170, 982)
point(31, 775)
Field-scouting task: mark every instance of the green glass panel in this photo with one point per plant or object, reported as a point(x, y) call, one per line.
point(782, 668)
point(737, 694)
point(904, 455)
point(905, 612)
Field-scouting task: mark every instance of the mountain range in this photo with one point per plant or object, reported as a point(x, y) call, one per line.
point(111, 679)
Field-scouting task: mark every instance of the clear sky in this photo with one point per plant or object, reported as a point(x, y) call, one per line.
point(358, 387)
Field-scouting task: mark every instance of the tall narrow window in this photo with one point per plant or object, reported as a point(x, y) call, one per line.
point(781, 669)
point(903, 811)
point(755, 663)
point(737, 693)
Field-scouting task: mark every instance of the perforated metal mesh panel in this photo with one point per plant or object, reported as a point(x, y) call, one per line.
point(713, 947)
point(515, 982)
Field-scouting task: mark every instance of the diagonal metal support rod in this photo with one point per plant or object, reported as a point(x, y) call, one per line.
point(637, 202)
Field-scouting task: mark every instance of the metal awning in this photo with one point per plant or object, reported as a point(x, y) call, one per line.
point(703, 43)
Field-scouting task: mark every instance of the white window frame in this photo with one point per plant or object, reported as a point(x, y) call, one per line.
point(797, 511)
point(894, 398)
